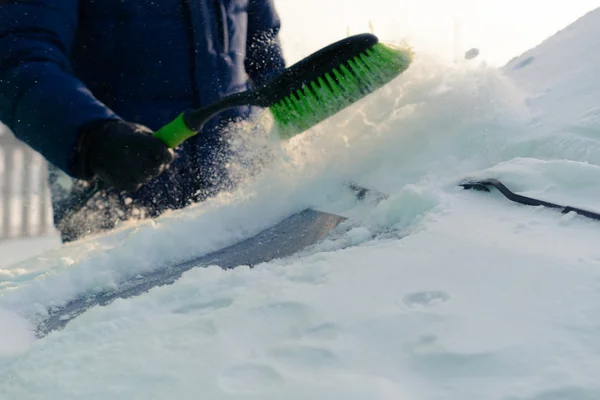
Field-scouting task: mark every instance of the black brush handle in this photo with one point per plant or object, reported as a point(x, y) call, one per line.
point(195, 119)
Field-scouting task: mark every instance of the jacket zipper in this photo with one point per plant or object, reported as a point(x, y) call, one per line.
point(193, 141)
point(221, 27)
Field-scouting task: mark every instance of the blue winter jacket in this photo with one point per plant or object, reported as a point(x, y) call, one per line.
point(66, 62)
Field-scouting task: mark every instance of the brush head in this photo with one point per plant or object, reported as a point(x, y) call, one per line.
point(330, 80)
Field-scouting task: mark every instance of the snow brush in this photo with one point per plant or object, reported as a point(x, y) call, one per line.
point(309, 91)
point(300, 97)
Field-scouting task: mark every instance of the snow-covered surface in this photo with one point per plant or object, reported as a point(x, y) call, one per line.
point(434, 293)
point(17, 250)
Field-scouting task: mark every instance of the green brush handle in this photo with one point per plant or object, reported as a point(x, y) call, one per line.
point(190, 122)
point(175, 132)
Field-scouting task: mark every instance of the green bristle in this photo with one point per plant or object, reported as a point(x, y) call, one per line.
point(342, 86)
point(334, 87)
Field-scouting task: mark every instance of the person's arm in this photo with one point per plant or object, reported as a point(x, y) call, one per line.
point(264, 57)
point(41, 100)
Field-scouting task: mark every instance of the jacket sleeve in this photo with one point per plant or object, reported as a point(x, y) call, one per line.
point(41, 100)
point(264, 57)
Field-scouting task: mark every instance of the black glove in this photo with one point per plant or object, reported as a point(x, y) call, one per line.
point(124, 155)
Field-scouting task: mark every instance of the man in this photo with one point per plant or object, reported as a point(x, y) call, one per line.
point(85, 82)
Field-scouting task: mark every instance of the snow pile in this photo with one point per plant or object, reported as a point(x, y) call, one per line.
point(433, 293)
point(560, 76)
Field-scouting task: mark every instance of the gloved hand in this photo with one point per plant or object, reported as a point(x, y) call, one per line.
point(124, 155)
